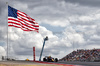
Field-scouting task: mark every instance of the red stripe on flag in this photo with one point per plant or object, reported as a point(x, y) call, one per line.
point(14, 23)
point(13, 19)
point(14, 26)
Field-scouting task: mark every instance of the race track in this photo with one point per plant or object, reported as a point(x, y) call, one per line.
point(60, 63)
point(23, 63)
point(81, 63)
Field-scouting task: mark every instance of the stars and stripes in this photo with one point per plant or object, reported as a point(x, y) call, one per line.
point(21, 20)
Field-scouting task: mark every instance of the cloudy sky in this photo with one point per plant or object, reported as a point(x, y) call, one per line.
point(69, 25)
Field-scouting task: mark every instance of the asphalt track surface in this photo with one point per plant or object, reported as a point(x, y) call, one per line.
point(23, 63)
point(30, 63)
point(81, 63)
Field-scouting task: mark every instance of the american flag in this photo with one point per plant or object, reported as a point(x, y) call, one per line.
point(21, 20)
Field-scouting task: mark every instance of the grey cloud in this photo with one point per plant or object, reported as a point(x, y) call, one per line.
point(2, 5)
point(46, 9)
point(83, 22)
point(3, 13)
point(98, 29)
point(25, 52)
point(93, 3)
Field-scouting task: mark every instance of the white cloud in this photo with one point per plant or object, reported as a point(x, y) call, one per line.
point(92, 46)
point(2, 52)
point(23, 45)
point(22, 42)
point(73, 36)
point(95, 37)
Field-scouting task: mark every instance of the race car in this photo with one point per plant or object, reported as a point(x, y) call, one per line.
point(50, 59)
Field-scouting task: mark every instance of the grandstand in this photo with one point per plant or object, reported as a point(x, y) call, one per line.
point(83, 55)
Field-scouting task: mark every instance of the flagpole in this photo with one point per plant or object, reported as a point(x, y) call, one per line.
point(7, 32)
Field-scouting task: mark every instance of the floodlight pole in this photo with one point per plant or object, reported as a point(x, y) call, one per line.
point(43, 47)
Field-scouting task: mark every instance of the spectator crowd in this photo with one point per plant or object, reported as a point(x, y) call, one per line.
point(83, 55)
